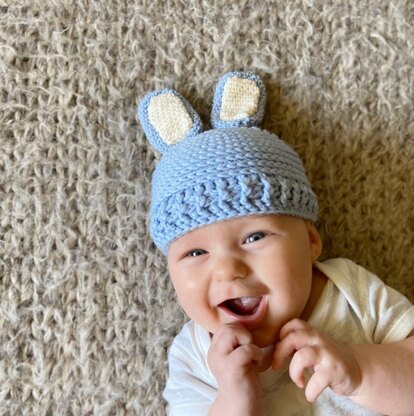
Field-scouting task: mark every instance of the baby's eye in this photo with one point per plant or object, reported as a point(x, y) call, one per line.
point(195, 253)
point(255, 237)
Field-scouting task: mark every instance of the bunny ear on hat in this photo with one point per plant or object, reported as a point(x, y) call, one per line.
point(239, 101)
point(167, 118)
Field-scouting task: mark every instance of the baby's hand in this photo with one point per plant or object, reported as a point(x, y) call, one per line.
point(333, 364)
point(234, 361)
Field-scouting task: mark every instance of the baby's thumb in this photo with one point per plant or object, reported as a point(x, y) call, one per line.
point(248, 354)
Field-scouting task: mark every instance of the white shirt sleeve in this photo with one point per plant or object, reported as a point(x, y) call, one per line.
point(385, 314)
point(392, 313)
point(191, 387)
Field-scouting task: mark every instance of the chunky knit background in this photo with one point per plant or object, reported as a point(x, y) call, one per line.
point(86, 308)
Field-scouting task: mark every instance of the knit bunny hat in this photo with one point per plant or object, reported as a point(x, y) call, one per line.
point(233, 170)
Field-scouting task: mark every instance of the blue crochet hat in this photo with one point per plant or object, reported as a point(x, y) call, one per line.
point(233, 170)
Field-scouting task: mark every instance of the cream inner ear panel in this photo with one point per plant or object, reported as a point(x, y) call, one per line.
point(240, 99)
point(169, 117)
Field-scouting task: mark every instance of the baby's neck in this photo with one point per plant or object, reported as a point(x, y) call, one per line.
point(318, 284)
point(267, 357)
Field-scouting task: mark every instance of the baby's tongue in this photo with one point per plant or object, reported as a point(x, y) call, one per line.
point(244, 306)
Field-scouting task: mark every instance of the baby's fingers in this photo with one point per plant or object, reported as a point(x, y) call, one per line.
point(232, 347)
point(305, 358)
point(245, 355)
point(293, 342)
point(317, 384)
point(309, 358)
point(229, 337)
point(292, 326)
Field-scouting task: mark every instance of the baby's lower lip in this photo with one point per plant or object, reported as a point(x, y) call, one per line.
point(248, 320)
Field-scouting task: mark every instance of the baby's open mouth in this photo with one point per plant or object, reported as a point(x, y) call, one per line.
point(244, 306)
point(247, 310)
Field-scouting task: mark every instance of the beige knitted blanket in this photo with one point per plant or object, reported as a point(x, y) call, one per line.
point(87, 311)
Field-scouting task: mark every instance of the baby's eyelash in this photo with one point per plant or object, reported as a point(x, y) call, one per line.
point(191, 253)
point(251, 238)
point(262, 235)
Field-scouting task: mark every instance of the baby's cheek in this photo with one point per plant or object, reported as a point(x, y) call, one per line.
point(203, 314)
point(198, 311)
point(193, 298)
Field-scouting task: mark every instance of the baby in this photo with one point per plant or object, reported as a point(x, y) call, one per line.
point(272, 330)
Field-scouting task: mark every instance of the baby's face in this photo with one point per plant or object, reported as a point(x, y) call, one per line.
point(256, 271)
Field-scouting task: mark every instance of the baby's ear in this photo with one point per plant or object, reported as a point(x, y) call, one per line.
point(239, 100)
point(167, 118)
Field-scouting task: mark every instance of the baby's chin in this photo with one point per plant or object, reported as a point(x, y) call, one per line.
point(265, 339)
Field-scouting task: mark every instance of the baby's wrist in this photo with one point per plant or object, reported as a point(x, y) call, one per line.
point(236, 402)
point(247, 390)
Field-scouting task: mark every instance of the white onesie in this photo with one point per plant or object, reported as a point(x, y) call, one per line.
point(355, 307)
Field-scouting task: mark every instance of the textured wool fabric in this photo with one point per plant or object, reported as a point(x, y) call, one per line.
point(224, 173)
point(86, 308)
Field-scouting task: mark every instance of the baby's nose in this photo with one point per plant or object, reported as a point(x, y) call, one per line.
point(229, 267)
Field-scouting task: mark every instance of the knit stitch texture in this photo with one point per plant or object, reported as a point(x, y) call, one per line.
point(87, 311)
point(223, 174)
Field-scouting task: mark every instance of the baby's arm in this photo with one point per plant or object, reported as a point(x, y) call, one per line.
point(234, 361)
point(379, 377)
point(387, 383)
